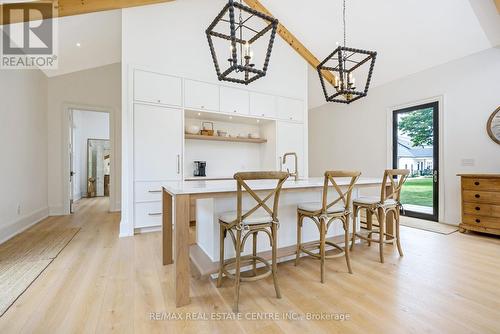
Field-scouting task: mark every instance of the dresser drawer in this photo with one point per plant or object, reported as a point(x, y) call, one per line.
point(148, 214)
point(147, 191)
point(481, 184)
point(487, 197)
point(478, 209)
point(488, 222)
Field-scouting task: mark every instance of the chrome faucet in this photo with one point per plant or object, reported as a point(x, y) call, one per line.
point(296, 173)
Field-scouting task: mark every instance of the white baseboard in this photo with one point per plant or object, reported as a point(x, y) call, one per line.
point(56, 211)
point(14, 228)
point(147, 229)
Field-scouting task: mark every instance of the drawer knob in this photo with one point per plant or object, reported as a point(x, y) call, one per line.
point(478, 220)
point(476, 183)
point(478, 208)
point(477, 196)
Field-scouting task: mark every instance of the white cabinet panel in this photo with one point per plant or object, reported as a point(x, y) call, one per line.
point(147, 191)
point(290, 138)
point(157, 88)
point(262, 105)
point(157, 143)
point(201, 95)
point(234, 100)
point(290, 109)
point(148, 214)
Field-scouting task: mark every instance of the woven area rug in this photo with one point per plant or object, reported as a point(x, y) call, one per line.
point(428, 225)
point(24, 257)
point(420, 224)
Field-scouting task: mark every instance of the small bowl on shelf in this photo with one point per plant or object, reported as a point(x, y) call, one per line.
point(193, 129)
point(221, 133)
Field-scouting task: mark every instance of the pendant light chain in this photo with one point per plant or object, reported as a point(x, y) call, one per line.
point(343, 20)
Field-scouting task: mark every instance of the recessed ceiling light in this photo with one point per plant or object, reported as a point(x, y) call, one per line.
point(78, 44)
point(258, 121)
point(199, 114)
point(230, 117)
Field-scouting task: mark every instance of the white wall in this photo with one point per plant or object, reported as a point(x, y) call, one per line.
point(355, 136)
point(98, 88)
point(87, 125)
point(23, 148)
point(170, 38)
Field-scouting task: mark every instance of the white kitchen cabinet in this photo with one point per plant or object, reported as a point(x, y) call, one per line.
point(147, 214)
point(201, 95)
point(290, 138)
point(290, 109)
point(234, 100)
point(157, 88)
point(158, 136)
point(262, 105)
point(148, 191)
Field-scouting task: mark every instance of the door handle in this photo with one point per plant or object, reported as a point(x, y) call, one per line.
point(178, 163)
point(435, 176)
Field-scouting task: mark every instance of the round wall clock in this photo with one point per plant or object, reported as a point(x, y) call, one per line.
point(493, 126)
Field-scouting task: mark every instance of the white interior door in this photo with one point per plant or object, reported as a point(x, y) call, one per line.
point(71, 162)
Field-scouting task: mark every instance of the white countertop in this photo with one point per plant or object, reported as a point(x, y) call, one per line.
point(220, 186)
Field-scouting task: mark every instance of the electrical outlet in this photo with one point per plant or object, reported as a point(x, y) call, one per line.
point(18, 209)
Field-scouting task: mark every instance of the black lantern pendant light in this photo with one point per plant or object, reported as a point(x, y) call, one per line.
point(237, 47)
point(342, 63)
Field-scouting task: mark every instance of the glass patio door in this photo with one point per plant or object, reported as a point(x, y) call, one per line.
point(415, 147)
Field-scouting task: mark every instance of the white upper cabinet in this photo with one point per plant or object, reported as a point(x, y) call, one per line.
point(157, 88)
point(262, 105)
point(201, 95)
point(158, 136)
point(290, 138)
point(234, 100)
point(290, 109)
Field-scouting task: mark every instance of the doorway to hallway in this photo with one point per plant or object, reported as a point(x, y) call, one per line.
point(89, 155)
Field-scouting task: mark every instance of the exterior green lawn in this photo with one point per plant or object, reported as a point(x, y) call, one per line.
point(417, 191)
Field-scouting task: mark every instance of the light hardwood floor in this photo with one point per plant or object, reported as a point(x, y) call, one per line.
point(100, 283)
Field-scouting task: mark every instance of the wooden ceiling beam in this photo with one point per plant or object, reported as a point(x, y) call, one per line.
point(76, 7)
point(293, 41)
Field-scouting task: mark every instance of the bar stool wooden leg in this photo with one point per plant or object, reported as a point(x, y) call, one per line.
point(222, 235)
point(354, 221)
point(369, 223)
point(299, 238)
point(237, 273)
point(254, 252)
point(274, 233)
point(346, 222)
point(398, 235)
point(322, 233)
point(381, 222)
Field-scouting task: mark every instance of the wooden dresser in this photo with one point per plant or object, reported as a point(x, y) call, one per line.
point(480, 203)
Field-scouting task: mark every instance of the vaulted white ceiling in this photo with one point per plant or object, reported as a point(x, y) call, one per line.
point(409, 35)
point(98, 36)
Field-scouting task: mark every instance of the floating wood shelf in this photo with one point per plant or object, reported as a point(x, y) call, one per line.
point(227, 139)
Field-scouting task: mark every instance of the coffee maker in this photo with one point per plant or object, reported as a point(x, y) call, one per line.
point(199, 169)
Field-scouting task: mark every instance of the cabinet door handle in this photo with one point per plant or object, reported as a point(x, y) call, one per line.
point(478, 208)
point(154, 214)
point(154, 191)
point(477, 196)
point(476, 183)
point(178, 163)
point(478, 220)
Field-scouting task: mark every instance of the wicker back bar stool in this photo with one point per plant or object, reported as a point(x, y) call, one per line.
point(241, 224)
point(387, 203)
point(324, 214)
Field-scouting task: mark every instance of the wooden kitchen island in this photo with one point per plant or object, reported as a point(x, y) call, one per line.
point(214, 197)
